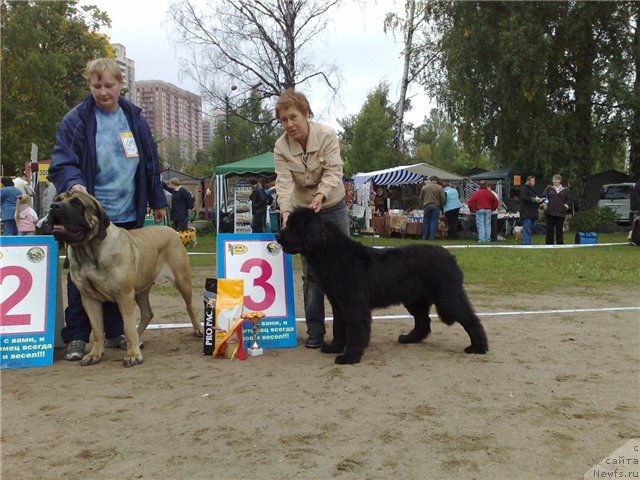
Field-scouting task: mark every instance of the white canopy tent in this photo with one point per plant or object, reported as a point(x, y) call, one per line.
point(404, 175)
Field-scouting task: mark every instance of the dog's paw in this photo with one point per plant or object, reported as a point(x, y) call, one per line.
point(132, 360)
point(90, 359)
point(348, 359)
point(331, 348)
point(412, 337)
point(198, 333)
point(475, 349)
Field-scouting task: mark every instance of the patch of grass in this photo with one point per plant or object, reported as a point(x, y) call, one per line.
point(504, 270)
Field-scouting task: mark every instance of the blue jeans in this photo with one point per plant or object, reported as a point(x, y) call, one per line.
point(430, 222)
point(9, 228)
point(312, 291)
point(483, 225)
point(527, 230)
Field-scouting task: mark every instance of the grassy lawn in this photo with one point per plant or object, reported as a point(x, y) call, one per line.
point(505, 270)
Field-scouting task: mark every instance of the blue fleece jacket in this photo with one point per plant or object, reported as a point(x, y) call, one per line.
point(74, 155)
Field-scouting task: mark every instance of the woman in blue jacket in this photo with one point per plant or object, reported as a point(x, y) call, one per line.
point(104, 147)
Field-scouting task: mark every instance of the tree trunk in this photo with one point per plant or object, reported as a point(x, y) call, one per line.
point(398, 128)
point(580, 160)
point(634, 133)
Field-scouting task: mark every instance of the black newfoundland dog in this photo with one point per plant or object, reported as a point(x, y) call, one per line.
point(357, 278)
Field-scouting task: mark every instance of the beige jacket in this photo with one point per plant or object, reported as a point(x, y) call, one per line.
point(300, 175)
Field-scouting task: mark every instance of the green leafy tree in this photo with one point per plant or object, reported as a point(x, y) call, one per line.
point(370, 134)
point(545, 84)
point(45, 49)
point(634, 97)
point(435, 142)
point(250, 133)
point(178, 152)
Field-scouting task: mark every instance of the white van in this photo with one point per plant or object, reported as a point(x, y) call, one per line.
point(617, 196)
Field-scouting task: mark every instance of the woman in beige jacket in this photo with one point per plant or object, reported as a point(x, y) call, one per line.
point(309, 174)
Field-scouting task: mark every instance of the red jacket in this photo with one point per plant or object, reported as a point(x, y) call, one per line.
point(483, 199)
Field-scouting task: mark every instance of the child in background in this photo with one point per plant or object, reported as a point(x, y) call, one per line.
point(26, 216)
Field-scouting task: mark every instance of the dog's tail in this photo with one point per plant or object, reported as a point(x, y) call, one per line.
point(454, 306)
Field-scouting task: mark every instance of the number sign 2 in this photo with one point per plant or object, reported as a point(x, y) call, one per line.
point(266, 270)
point(28, 275)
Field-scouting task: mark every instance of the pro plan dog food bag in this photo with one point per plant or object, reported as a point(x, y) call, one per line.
point(228, 319)
point(210, 288)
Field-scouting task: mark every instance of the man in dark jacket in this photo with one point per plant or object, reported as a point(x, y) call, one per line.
point(260, 199)
point(104, 147)
point(529, 202)
point(181, 203)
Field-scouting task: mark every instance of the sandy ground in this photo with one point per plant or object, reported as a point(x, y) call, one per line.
point(554, 396)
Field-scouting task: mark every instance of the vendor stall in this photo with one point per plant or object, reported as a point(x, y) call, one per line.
point(400, 214)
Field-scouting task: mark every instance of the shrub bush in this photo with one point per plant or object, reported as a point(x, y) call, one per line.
point(594, 220)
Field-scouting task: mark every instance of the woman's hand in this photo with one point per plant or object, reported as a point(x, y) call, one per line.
point(158, 215)
point(284, 217)
point(316, 203)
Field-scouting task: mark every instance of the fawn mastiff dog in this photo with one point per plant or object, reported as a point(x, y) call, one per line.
point(357, 278)
point(111, 264)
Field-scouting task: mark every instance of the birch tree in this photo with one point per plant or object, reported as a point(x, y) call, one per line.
point(416, 40)
point(258, 46)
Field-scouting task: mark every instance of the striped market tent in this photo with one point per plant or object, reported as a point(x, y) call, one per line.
point(404, 175)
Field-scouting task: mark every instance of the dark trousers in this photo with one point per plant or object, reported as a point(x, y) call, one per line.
point(554, 225)
point(312, 291)
point(452, 222)
point(180, 225)
point(494, 227)
point(76, 320)
point(259, 222)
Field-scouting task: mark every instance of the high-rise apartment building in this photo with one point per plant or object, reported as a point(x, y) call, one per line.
point(174, 115)
point(128, 68)
point(208, 127)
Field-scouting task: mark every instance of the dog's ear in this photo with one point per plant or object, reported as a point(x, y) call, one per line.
point(103, 222)
point(315, 233)
point(100, 215)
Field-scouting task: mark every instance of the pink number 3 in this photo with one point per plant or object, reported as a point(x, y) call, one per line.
point(260, 282)
point(24, 287)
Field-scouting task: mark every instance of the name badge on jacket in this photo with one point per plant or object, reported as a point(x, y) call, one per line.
point(129, 145)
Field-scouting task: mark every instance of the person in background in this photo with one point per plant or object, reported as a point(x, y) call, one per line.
point(104, 147)
point(431, 199)
point(494, 215)
point(309, 174)
point(482, 202)
point(181, 202)
point(260, 199)
point(379, 201)
point(26, 217)
point(8, 200)
point(22, 184)
point(451, 208)
point(559, 203)
point(529, 203)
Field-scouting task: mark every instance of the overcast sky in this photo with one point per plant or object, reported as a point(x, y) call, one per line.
point(355, 42)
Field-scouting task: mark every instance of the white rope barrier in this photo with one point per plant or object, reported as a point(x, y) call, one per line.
point(161, 326)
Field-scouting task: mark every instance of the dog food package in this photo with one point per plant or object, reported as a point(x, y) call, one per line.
point(210, 286)
point(229, 302)
point(230, 344)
